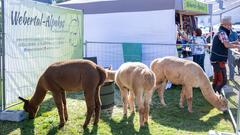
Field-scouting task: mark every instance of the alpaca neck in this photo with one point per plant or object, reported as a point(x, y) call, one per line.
point(111, 75)
point(38, 96)
point(208, 92)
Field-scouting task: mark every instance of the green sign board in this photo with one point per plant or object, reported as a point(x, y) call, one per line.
point(196, 6)
point(36, 35)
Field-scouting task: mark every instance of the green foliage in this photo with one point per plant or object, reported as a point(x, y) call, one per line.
point(163, 120)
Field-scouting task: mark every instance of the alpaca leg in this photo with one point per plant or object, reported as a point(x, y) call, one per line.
point(131, 101)
point(189, 95)
point(124, 94)
point(97, 106)
point(57, 96)
point(65, 105)
point(182, 96)
point(160, 91)
point(147, 101)
point(90, 101)
point(139, 96)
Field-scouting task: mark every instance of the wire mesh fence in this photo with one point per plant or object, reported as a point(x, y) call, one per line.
point(24, 63)
point(116, 53)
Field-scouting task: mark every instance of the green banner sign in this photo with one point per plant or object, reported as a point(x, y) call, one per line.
point(196, 6)
point(37, 35)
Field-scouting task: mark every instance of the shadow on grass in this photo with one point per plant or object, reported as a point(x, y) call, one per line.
point(92, 132)
point(27, 126)
point(53, 130)
point(173, 116)
point(125, 126)
point(79, 95)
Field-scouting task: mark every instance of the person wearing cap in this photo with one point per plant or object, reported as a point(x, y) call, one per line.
point(219, 53)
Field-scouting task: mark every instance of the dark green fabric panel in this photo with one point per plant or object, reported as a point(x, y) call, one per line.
point(132, 52)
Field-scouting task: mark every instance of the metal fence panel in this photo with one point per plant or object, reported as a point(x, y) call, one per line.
point(1, 58)
point(111, 53)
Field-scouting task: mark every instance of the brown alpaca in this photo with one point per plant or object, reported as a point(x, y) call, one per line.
point(134, 80)
point(71, 75)
point(189, 75)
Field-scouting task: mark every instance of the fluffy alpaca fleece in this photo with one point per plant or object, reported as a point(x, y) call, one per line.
point(189, 75)
point(134, 80)
point(70, 75)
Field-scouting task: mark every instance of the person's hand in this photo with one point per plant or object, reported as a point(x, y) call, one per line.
point(238, 48)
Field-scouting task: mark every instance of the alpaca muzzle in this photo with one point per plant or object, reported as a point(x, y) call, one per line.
point(224, 109)
point(31, 116)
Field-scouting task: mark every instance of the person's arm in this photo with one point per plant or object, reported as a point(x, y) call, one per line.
point(231, 44)
point(224, 39)
point(235, 42)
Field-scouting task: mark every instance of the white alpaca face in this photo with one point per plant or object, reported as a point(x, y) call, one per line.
point(223, 104)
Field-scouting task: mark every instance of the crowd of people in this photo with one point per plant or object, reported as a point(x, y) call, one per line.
point(197, 44)
point(192, 46)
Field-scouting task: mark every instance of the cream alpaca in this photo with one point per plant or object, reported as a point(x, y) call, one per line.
point(135, 80)
point(189, 75)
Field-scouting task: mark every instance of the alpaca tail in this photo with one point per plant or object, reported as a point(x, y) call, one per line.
point(102, 75)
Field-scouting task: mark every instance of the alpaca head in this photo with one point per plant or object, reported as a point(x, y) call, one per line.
point(222, 104)
point(32, 110)
point(110, 74)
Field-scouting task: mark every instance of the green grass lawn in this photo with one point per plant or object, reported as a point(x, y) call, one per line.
point(163, 120)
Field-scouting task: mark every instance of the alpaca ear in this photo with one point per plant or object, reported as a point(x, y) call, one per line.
point(218, 95)
point(24, 100)
point(221, 97)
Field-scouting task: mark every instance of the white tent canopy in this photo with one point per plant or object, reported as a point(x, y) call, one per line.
point(127, 21)
point(134, 21)
point(112, 6)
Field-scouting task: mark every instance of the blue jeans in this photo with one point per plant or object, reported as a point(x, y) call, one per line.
point(199, 59)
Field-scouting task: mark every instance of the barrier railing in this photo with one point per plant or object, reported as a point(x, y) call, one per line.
point(236, 120)
point(112, 53)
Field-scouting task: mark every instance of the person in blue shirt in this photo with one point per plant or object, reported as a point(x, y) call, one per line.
point(198, 50)
point(232, 37)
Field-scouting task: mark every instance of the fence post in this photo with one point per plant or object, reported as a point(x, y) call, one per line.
point(2, 61)
point(238, 116)
point(85, 48)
